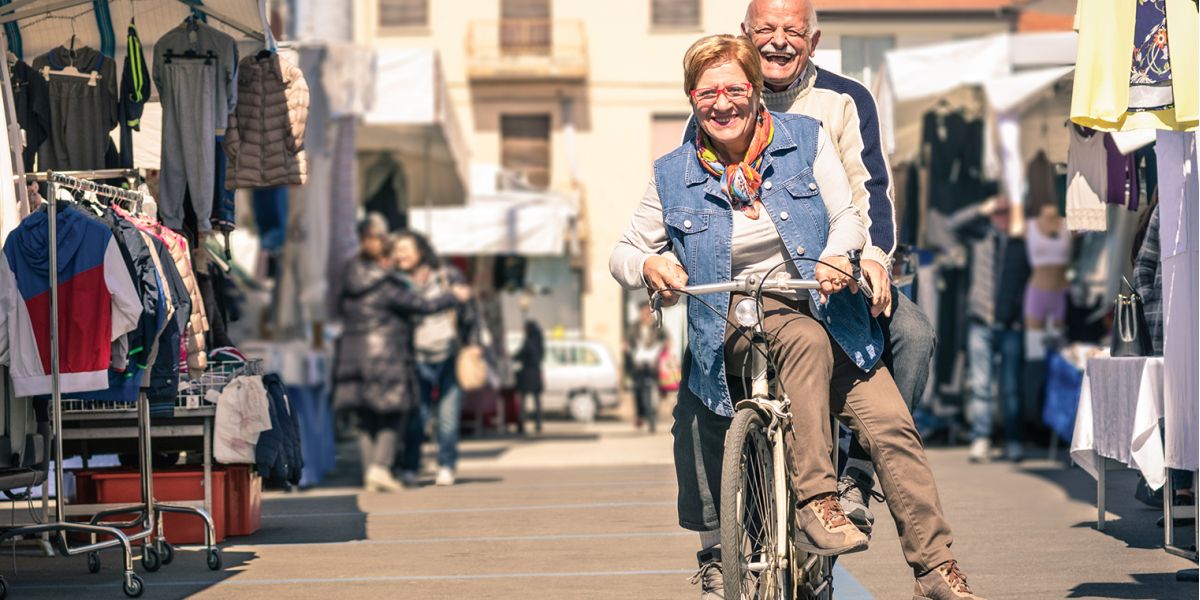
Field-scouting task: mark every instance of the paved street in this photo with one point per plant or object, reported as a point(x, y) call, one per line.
point(588, 512)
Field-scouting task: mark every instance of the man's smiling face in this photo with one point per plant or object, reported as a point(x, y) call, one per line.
point(781, 31)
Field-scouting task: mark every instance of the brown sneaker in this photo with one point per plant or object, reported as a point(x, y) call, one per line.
point(825, 530)
point(945, 582)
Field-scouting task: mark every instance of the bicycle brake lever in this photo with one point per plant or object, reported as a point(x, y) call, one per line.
point(656, 308)
point(864, 287)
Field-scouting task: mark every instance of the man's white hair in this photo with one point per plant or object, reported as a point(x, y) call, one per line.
point(811, 21)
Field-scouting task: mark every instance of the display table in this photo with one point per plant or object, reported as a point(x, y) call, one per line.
point(1120, 418)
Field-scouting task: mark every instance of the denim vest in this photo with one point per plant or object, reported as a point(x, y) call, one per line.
point(699, 223)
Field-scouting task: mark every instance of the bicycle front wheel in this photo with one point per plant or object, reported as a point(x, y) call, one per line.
point(749, 532)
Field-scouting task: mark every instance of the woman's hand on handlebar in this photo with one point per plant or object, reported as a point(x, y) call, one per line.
point(661, 273)
point(831, 273)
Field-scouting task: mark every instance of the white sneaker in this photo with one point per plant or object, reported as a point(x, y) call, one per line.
point(981, 450)
point(409, 479)
point(379, 479)
point(445, 477)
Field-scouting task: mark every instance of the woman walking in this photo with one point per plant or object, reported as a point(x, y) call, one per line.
point(438, 338)
point(529, 376)
point(374, 374)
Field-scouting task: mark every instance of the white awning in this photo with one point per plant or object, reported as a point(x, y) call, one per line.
point(412, 118)
point(507, 222)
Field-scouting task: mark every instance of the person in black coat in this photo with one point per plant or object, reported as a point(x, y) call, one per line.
point(374, 373)
point(529, 376)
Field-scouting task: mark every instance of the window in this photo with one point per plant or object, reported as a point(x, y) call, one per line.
point(675, 13)
point(525, 147)
point(525, 27)
point(404, 13)
point(862, 55)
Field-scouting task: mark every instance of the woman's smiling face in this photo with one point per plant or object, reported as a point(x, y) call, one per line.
point(728, 121)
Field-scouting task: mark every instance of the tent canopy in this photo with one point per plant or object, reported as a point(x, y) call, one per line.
point(46, 24)
point(422, 129)
point(1012, 69)
point(501, 222)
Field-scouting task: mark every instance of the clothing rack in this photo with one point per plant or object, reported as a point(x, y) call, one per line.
point(133, 585)
point(81, 181)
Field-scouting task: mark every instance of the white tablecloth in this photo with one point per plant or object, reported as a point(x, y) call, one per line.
point(1118, 418)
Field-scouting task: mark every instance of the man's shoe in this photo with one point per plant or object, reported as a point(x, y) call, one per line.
point(445, 477)
point(945, 582)
point(855, 500)
point(825, 530)
point(409, 479)
point(712, 582)
point(981, 450)
point(1014, 452)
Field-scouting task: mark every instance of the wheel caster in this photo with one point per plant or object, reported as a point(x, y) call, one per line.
point(214, 559)
point(134, 586)
point(93, 562)
point(151, 561)
point(168, 552)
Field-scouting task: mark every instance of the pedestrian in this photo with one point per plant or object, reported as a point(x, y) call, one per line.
point(530, 383)
point(995, 336)
point(374, 372)
point(786, 34)
point(437, 340)
point(645, 344)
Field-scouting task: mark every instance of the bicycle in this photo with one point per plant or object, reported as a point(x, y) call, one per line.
point(756, 500)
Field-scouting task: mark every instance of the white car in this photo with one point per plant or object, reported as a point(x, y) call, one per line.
point(580, 377)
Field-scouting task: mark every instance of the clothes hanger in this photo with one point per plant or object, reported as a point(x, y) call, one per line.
point(70, 70)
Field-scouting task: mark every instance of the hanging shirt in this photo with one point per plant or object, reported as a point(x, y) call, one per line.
point(1087, 180)
point(31, 102)
point(135, 90)
point(81, 115)
point(1122, 36)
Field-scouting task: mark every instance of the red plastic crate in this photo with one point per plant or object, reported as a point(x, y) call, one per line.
point(243, 500)
point(123, 486)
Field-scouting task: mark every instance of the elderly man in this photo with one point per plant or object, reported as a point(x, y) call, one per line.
point(786, 35)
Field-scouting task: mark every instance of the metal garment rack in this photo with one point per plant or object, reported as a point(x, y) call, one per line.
point(148, 513)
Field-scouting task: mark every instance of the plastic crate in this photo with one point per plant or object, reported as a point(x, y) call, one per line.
point(123, 486)
point(243, 500)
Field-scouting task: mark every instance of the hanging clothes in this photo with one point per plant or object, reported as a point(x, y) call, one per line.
point(1120, 36)
point(31, 102)
point(1087, 180)
point(197, 93)
point(1122, 184)
point(943, 136)
point(98, 303)
point(1043, 189)
point(135, 90)
point(81, 114)
point(1179, 239)
point(265, 139)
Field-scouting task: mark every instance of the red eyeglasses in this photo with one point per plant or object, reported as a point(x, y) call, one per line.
point(733, 91)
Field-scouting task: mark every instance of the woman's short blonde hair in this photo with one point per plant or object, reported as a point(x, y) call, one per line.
point(715, 49)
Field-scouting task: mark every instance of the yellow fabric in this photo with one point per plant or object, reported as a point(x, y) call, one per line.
point(1100, 98)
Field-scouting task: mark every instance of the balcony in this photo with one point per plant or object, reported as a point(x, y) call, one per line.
point(527, 49)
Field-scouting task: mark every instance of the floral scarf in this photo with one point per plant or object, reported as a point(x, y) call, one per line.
point(740, 181)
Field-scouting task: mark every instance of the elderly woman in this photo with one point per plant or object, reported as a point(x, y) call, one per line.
point(749, 190)
point(374, 373)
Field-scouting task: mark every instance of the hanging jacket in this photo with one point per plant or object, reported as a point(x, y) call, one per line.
point(278, 451)
point(162, 381)
point(181, 256)
point(135, 90)
point(96, 297)
point(265, 138)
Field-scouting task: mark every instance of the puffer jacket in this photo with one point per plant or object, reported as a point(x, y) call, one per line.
point(264, 142)
point(375, 359)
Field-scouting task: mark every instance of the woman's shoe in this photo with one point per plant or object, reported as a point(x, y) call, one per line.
point(380, 479)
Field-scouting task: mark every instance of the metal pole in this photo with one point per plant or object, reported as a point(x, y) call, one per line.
point(55, 393)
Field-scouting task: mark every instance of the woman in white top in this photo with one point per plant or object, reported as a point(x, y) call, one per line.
point(1049, 244)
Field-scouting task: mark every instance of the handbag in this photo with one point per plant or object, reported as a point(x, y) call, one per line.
point(1130, 336)
point(470, 368)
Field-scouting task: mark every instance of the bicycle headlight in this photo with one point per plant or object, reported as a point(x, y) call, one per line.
point(746, 312)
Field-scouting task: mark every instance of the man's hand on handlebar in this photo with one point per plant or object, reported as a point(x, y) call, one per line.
point(661, 273)
point(833, 276)
point(881, 287)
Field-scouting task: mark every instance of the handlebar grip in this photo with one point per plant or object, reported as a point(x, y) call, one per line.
point(864, 287)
